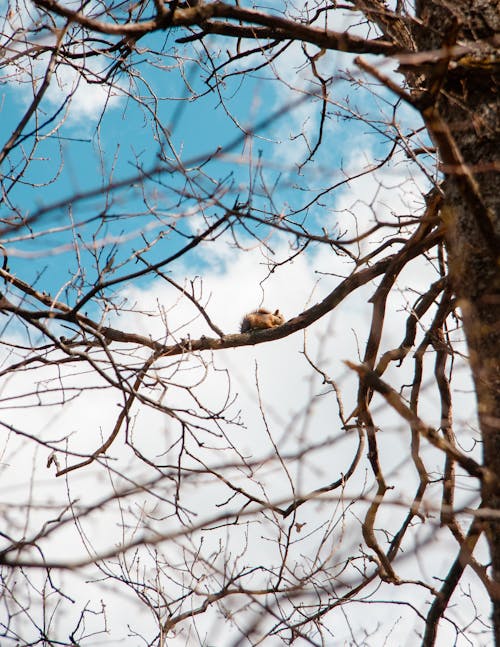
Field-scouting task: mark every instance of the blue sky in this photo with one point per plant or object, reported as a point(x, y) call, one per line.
point(93, 147)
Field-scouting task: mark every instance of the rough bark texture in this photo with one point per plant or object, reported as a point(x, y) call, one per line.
point(467, 104)
point(458, 99)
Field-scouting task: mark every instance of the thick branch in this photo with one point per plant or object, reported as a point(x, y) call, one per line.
point(204, 13)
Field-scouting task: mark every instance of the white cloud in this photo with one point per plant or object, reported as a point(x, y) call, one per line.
point(26, 72)
point(286, 385)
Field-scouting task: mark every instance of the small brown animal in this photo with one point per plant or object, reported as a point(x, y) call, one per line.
point(261, 319)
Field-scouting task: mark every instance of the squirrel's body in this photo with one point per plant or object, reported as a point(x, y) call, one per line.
point(261, 319)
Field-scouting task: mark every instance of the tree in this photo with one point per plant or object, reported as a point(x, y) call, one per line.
point(167, 164)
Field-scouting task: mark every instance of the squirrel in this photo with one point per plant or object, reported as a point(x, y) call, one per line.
point(261, 319)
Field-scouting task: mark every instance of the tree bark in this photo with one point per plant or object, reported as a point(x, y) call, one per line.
point(462, 119)
point(458, 100)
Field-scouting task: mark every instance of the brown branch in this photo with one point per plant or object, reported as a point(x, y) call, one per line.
point(121, 417)
point(9, 145)
point(385, 80)
point(196, 240)
point(417, 312)
point(332, 486)
point(453, 162)
point(61, 311)
point(385, 568)
point(443, 383)
point(372, 380)
point(453, 577)
point(188, 295)
point(204, 13)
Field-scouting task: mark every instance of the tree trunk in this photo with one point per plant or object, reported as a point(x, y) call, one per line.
point(463, 123)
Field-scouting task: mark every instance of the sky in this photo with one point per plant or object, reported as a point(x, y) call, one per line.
point(110, 137)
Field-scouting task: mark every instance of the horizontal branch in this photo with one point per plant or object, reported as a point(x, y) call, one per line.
point(205, 15)
point(63, 312)
point(154, 539)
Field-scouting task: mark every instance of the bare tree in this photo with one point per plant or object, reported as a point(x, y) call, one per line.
point(160, 486)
